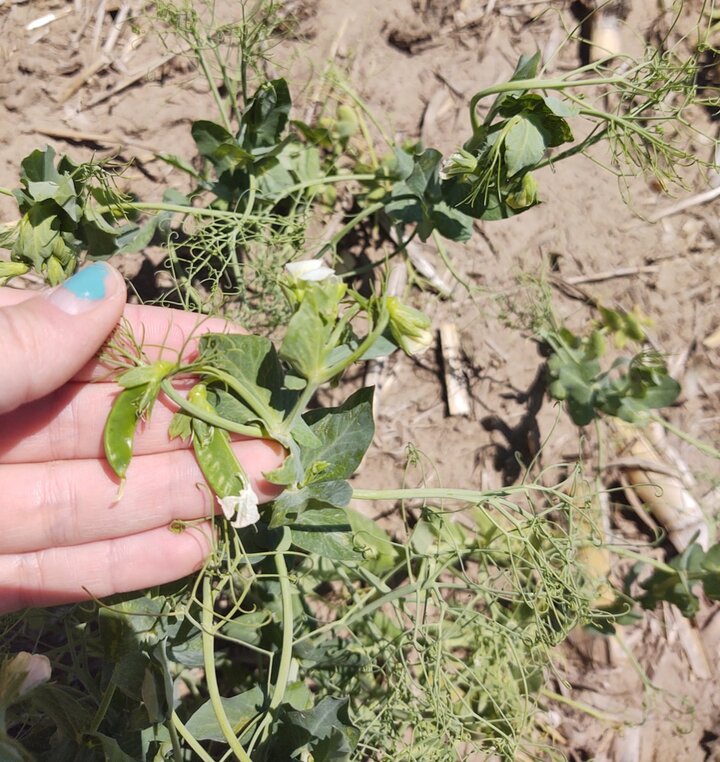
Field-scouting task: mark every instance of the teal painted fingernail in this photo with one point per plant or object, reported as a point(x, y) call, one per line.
point(83, 290)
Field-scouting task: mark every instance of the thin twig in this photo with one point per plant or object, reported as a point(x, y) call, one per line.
point(688, 203)
point(80, 79)
point(116, 28)
point(620, 272)
point(77, 136)
point(135, 78)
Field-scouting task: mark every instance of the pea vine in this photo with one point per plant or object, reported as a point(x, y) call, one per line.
point(312, 633)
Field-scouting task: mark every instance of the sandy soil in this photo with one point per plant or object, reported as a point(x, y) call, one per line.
point(416, 64)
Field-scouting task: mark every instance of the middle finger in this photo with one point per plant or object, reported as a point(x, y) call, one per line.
point(67, 503)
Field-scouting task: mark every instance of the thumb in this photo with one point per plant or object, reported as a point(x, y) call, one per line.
point(45, 340)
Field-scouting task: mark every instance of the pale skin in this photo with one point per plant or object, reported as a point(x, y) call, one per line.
point(64, 534)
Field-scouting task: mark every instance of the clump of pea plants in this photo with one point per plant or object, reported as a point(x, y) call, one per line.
point(312, 633)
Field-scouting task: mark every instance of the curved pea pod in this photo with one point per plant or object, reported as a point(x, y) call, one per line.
point(120, 427)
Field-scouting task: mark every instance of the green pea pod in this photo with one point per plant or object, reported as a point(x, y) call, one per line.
point(120, 428)
point(214, 452)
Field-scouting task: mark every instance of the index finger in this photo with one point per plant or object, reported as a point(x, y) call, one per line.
point(163, 333)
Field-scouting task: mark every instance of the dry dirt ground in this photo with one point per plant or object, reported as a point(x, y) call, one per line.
point(416, 63)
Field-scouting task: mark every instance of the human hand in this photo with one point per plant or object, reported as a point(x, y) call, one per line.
point(65, 536)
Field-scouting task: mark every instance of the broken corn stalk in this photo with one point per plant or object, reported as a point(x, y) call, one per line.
point(665, 495)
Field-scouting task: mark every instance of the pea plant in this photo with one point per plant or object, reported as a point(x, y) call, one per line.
point(312, 632)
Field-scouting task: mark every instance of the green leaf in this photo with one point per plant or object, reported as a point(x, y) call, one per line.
point(711, 562)
point(334, 748)
point(266, 115)
point(109, 746)
point(324, 719)
point(560, 107)
point(133, 237)
point(524, 146)
point(527, 66)
point(8, 236)
point(129, 672)
point(60, 705)
point(451, 223)
point(345, 433)
point(39, 166)
point(292, 502)
point(373, 542)
point(229, 406)
point(247, 627)
point(240, 709)
point(306, 343)
point(37, 235)
point(554, 129)
point(253, 362)
point(401, 166)
point(424, 179)
point(180, 426)
point(326, 532)
point(217, 145)
point(61, 190)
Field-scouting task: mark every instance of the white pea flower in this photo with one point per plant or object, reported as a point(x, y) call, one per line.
point(244, 507)
point(20, 674)
point(309, 269)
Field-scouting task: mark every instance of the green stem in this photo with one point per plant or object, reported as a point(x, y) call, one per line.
point(424, 493)
point(580, 707)
point(208, 643)
point(189, 738)
point(348, 315)
point(367, 342)
point(444, 256)
point(647, 682)
point(288, 626)
point(198, 51)
point(367, 212)
point(174, 740)
point(161, 206)
point(590, 140)
point(325, 181)
point(102, 709)
point(705, 449)
point(6, 192)
point(631, 554)
point(536, 83)
point(243, 391)
point(212, 418)
point(299, 406)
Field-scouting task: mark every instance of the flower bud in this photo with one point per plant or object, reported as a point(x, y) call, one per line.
point(460, 163)
point(409, 327)
point(10, 270)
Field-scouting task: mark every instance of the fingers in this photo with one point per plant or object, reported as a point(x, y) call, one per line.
point(48, 338)
point(68, 424)
point(161, 330)
point(68, 503)
point(97, 569)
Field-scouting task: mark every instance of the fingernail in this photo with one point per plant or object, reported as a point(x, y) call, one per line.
point(83, 290)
